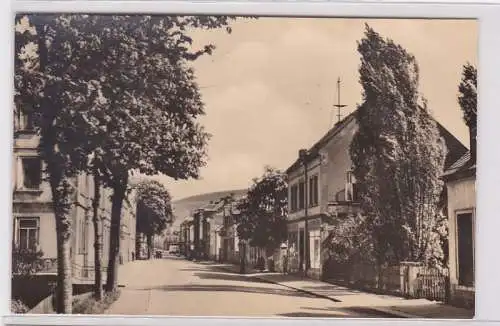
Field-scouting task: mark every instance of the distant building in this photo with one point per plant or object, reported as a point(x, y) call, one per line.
point(322, 186)
point(33, 217)
point(460, 181)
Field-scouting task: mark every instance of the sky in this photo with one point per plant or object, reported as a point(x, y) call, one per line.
point(270, 86)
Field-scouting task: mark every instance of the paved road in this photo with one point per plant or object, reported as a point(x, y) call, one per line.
point(178, 287)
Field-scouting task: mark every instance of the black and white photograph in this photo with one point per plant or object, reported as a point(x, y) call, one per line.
point(244, 166)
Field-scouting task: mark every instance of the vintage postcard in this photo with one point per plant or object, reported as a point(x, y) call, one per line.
point(244, 166)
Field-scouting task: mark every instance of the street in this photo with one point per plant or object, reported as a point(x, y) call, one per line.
point(178, 287)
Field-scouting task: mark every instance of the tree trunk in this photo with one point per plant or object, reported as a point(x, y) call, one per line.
point(60, 188)
point(64, 288)
point(114, 248)
point(97, 238)
point(61, 197)
point(150, 245)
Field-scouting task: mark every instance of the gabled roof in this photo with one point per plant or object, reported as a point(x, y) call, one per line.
point(463, 167)
point(314, 150)
point(455, 148)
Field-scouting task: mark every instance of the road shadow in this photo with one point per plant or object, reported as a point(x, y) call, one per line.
point(228, 277)
point(194, 269)
point(231, 288)
point(365, 311)
point(302, 314)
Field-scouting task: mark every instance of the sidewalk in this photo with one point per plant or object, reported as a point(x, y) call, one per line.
point(386, 304)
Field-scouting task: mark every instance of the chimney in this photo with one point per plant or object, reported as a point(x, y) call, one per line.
point(302, 154)
point(472, 139)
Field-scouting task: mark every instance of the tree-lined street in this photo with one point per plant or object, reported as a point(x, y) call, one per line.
point(118, 116)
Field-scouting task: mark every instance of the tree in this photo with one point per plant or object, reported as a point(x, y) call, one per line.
point(154, 210)
point(467, 99)
point(129, 99)
point(263, 212)
point(39, 90)
point(396, 137)
point(347, 242)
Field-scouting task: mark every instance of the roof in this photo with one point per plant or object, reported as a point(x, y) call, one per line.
point(455, 148)
point(463, 167)
point(314, 150)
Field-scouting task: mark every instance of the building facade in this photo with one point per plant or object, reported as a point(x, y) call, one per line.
point(33, 218)
point(322, 187)
point(460, 181)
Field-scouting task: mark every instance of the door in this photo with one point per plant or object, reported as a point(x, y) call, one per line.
point(301, 243)
point(465, 235)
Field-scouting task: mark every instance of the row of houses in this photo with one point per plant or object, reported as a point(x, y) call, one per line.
point(321, 185)
point(211, 233)
point(33, 217)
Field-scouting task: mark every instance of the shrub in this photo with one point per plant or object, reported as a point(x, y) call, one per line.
point(90, 306)
point(26, 261)
point(18, 307)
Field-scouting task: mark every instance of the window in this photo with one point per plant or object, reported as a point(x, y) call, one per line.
point(349, 188)
point(313, 191)
point(25, 120)
point(301, 194)
point(83, 236)
point(293, 198)
point(316, 257)
point(28, 232)
point(465, 241)
point(32, 172)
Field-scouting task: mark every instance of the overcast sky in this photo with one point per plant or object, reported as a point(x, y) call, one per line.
point(270, 85)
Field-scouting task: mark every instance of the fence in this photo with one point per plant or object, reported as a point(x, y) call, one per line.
point(424, 282)
point(364, 276)
point(411, 280)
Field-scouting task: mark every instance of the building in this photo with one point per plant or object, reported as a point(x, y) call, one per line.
point(460, 181)
point(185, 235)
point(322, 186)
point(33, 218)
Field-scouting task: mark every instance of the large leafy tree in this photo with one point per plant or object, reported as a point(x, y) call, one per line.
point(154, 210)
point(263, 212)
point(118, 89)
point(41, 85)
point(397, 137)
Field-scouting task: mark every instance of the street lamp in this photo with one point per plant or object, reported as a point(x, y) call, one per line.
point(304, 157)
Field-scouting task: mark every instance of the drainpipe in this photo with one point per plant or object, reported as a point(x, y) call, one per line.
point(303, 153)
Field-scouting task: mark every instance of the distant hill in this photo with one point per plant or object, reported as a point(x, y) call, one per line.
point(185, 206)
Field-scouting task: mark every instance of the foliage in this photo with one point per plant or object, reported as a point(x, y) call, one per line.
point(396, 137)
point(26, 261)
point(263, 212)
point(348, 240)
point(92, 306)
point(468, 94)
point(116, 94)
point(18, 307)
point(154, 209)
